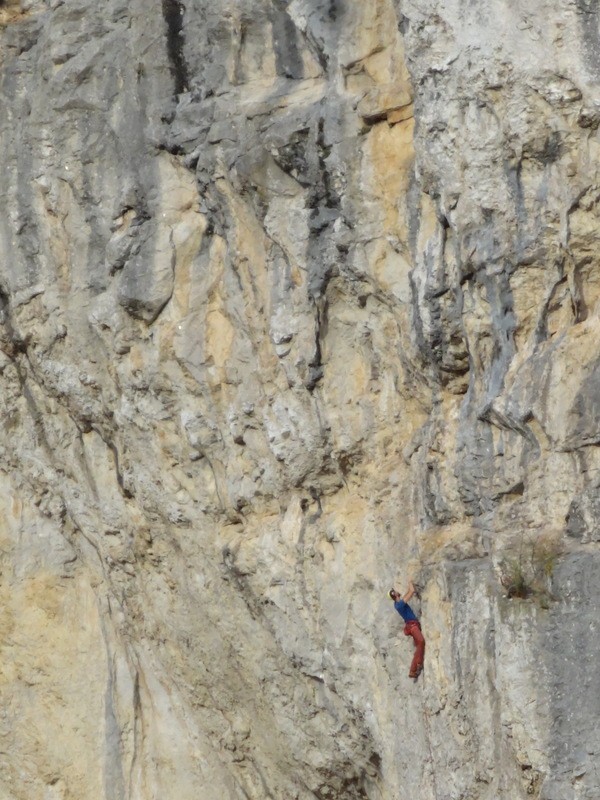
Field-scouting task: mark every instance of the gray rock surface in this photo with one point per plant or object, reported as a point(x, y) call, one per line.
point(297, 300)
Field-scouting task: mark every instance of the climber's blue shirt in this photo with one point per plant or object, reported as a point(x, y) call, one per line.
point(405, 611)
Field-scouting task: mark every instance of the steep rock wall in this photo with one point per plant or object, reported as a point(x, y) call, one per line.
point(298, 299)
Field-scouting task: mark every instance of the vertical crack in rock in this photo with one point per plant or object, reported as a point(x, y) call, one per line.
point(285, 40)
point(173, 13)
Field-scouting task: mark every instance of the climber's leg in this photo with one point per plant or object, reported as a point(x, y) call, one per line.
point(414, 629)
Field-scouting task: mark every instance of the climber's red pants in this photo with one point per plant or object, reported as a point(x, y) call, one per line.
point(413, 628)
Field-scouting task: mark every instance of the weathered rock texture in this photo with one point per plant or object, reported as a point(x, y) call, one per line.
point(298, 299)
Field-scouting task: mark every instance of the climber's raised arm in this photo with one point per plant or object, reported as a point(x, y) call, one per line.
point(409, 594)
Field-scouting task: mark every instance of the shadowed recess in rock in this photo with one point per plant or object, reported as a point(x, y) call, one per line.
point(173, 12)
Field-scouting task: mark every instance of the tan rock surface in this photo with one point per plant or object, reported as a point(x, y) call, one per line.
point(298, 300)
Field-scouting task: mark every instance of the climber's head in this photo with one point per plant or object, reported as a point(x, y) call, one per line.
point(394, 595)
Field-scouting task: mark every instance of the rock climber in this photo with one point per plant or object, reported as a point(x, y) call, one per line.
point(412, 627)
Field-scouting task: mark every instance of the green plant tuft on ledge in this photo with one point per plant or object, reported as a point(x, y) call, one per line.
point(529, 574)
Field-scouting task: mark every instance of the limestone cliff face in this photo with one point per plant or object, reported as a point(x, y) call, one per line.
point(298, 299)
